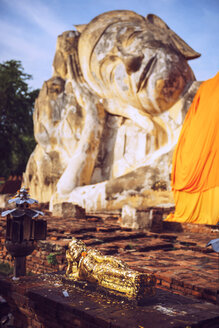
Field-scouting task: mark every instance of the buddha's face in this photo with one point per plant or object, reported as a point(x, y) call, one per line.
point(140, 70)
point(76, 248)
point(136, 63)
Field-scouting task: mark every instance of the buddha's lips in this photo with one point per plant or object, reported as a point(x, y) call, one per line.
point(146, 73)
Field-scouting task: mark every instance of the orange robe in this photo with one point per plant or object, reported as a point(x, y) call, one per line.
point(195, 172)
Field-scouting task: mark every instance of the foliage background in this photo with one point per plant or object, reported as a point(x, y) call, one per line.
point(16, 118)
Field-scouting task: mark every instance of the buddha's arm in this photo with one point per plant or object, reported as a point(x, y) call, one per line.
point(80, 166)
point(107, 260)
point(107, 270)
point(142, 119)
point(72, 268)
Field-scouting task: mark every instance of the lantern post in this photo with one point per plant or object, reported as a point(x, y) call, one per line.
point(23, 229)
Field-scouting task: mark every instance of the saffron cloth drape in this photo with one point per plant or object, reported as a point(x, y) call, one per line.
point(195, 172)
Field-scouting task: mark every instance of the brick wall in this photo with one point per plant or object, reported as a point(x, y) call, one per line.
point(46, 258)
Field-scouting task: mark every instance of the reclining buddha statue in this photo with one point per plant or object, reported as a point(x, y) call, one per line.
point(108, 120)
point(107, 271)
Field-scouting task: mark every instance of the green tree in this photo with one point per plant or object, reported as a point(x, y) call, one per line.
point(16, 122)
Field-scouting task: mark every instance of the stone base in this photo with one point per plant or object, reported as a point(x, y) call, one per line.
point(100, 291)
point(68, 210)
point(150, 219)
point(40, 302)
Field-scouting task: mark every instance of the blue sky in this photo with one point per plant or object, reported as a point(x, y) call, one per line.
point(29, 29)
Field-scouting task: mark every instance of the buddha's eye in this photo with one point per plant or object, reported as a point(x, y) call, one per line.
point(132, 64)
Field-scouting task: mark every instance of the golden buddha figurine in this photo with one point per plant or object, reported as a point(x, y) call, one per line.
point(107, 271)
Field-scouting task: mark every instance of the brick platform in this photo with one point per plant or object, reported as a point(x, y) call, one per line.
point(177, 255)
point(39, 302)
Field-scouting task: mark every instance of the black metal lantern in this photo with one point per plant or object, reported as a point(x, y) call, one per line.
point(23, 229)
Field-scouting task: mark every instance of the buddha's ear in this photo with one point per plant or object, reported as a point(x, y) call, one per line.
point(80, 28)
point(180, 45)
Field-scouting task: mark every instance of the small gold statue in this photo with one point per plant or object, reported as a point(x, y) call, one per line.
point(107, 271)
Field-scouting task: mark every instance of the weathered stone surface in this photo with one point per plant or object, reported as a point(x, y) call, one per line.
point(4, 201)
point(150, 219)
point(107, 122)
point(134, 219)
point(68, 210)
